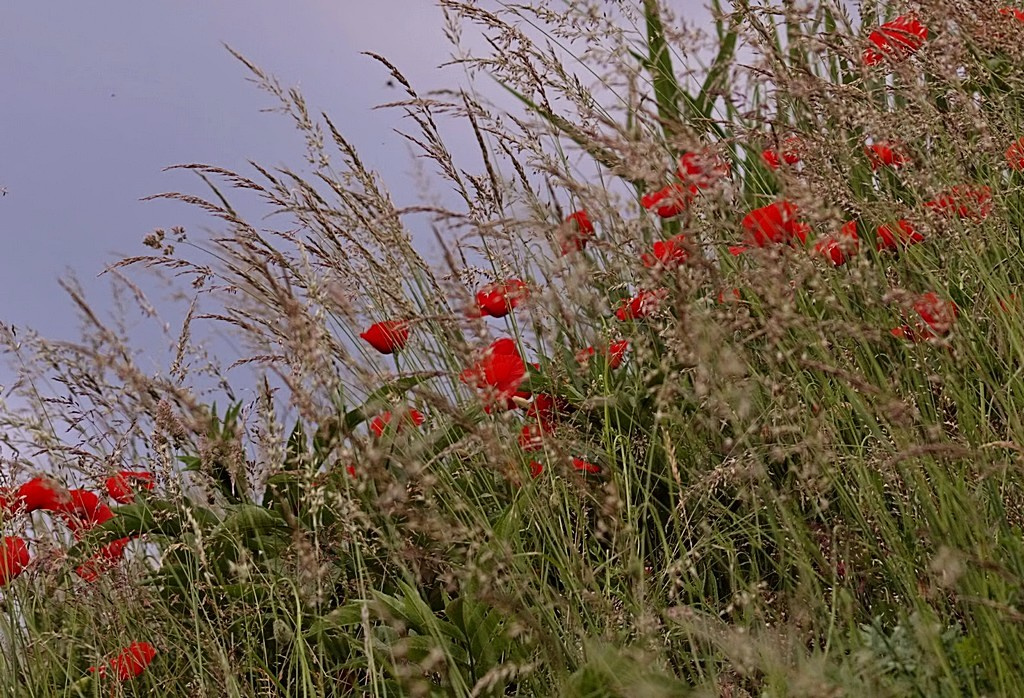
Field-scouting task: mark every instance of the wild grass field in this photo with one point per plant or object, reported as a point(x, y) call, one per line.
point(706, 382)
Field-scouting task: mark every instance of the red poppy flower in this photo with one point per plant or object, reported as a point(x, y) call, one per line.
point(774, 223)
point(499, 299)
point(105, 559)
point(536, 469)
point(885, 155)
point(40, 493)
point(667, 253)
point(639, 306)
point(1015, 153)
point(387, 337)
point(896, 40)
point(129, 662)
point(790, 153)
point(901, 234)
point(122, 486)
point(579, 231)
point(381, 421)
point(840, 248)
point(615, 353)
point(531, 438)
point(13, 558)
point(500, 370)
point(963, 201)
point(1011, 12)
point(669, 201)
point(84, 510)
point(585, 467)
point(732, 295)
point(938, 316)
point(702, 169)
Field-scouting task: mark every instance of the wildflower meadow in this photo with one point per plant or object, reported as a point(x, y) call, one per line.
point(703, 376)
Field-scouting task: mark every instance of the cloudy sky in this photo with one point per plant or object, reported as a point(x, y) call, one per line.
point(100, 97)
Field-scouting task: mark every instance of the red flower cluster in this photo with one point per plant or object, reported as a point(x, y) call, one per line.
point(500, 299)
point(896, 40)
point(790, 153)
point(579, 231)
point(772, 224)
point(615, 353)
point(840, 248)
point(380, 423)
point(697, 171)
point(129, 663)
point(963, 201)
point(894, 237)
point(387, 337)
point(937, 315)
point(886, 155)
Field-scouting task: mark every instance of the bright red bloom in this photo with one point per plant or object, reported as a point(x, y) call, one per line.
point(1011, 12)
point(84, 510)
point(40, 493)
point(500, 370)
point(380, 423)
point(963, 201)
point(580, 232)
point(536, 469)
point(14, 558)
point(615, 353)
point(732, 295)
point(639, 306)
point(667, 253)
point(499, 299)
point(1015, 153)
point(901, 234)
point(774, 223)
point(886, 155)
point(896, 40)
point(585, 467)
point(122, 487)
point(669, 201)
point(938, 316)
point(840, 248)
point(105, 559)
point(701, 170)
point(790, 153)
point(531, 438)
point(129, 662)
point(387, 337)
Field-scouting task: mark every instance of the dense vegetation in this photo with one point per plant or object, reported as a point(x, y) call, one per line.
point(703, 379)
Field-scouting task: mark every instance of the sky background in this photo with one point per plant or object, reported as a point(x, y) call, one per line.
point(100, 97)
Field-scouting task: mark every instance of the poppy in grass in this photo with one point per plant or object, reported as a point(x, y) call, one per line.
point(500, 370)
point(774, 223)
point(790, 153)
point(639, 306)
point(885, 155)
point(585, 467)
point(84, 510)
point(729, 295)
point(128, 663)
point(1012, 12)
point(938, 316)
point(499, 299)
point(702, 169)
point(838, 249)
point(897, 40)
point(615, 353)
point(963, 201)
point(1015, 153)
point(545, 409)
point(578, 232)
point(897, 235)
point(13, 558)
point(105, 559)
point(40, 493)
point(669, 201)
point(667, 253)
point(380, 423)
point(536, 469)
point(531, 438)
point(387, 337)
point(122, 487)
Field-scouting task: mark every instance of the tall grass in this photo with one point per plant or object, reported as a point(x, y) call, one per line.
point(773, 494)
